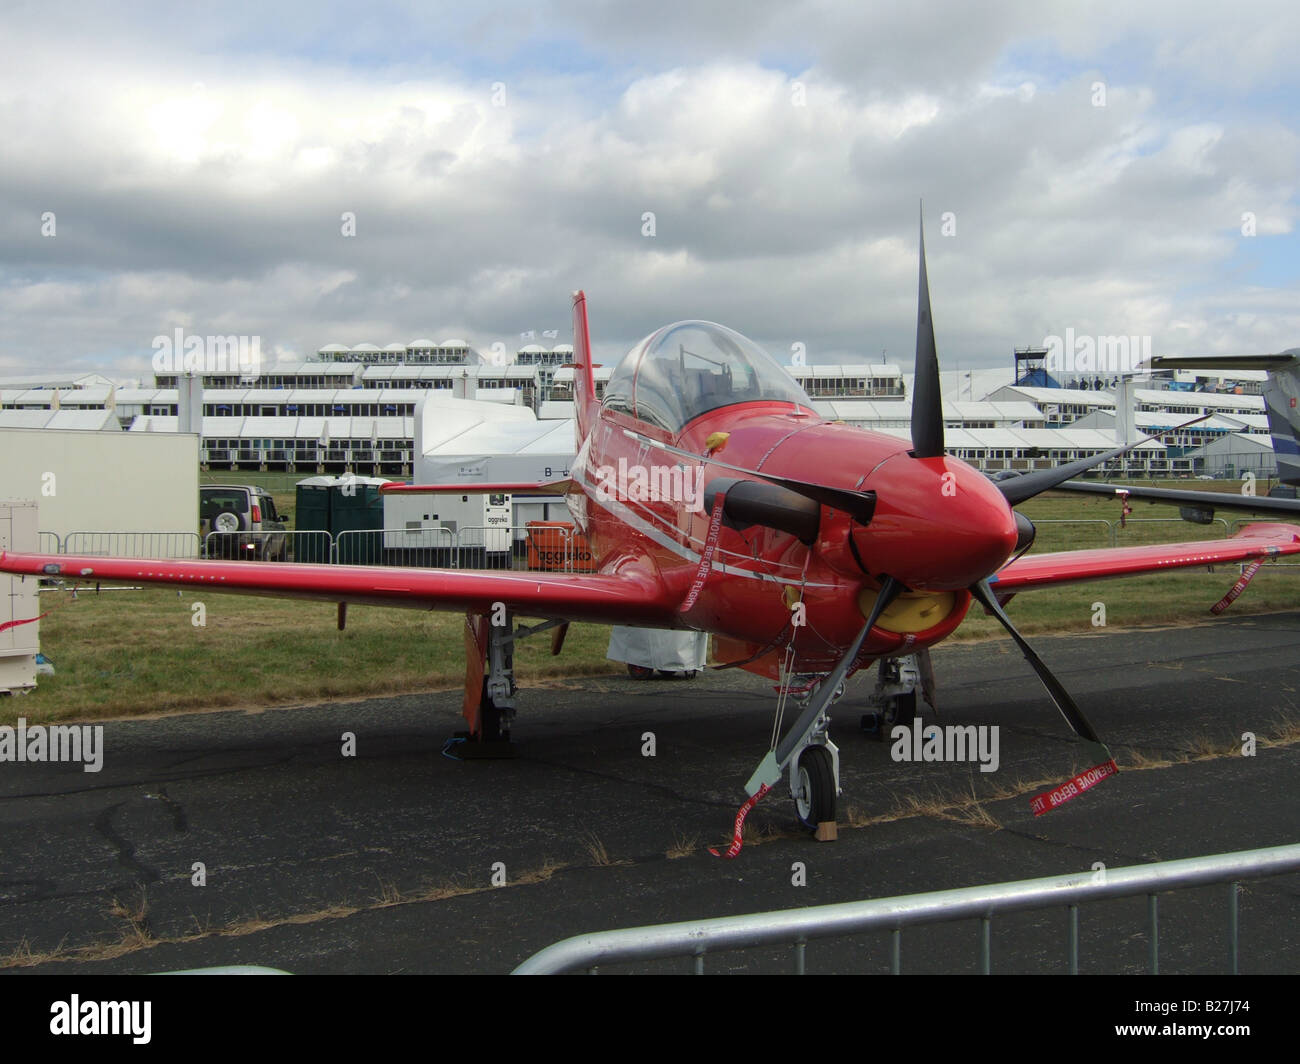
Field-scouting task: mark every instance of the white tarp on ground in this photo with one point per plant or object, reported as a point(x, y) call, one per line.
point(654, 648)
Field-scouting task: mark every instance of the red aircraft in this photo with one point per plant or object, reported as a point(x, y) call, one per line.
point(716, 499)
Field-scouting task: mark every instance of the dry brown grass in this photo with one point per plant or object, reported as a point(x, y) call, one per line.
point(543, 872)
point(136, 915)
point(683, 846)
point(137, 936)
point(388, 894)
point(21, 956)
point(971, 812)
point(960, 807)
point(595, 848)
point(1282, 731)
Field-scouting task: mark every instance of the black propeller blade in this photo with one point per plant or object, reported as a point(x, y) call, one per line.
point(927, 403)
point(1069, 710)
point(1020, 489)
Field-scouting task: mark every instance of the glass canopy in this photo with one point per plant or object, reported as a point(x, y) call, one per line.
point(685, 370)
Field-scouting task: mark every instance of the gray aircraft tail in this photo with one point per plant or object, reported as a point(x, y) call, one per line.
point(1281, 397)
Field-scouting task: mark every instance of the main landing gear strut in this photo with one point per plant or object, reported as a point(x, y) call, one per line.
point(899, 682)
point(490, 688)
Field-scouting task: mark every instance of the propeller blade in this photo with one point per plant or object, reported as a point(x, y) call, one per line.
point(1069, 709)
point(1020, 489)
point(927, 403)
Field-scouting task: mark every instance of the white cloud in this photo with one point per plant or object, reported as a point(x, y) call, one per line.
point(195, 187)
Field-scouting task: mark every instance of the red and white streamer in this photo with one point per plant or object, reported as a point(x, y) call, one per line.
point(1247, 575)
point(1049, 800)
point(28, 620)
point(706, 557)
point(737, 840)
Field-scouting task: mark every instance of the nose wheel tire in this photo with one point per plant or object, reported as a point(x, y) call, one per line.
point(816, 804)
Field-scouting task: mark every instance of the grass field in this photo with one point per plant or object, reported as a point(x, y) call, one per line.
point(126, 652)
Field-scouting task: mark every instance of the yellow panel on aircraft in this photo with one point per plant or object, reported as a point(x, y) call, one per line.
point(912, 611)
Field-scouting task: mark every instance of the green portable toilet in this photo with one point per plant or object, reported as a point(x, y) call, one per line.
point(312, 515)
point(335, 505)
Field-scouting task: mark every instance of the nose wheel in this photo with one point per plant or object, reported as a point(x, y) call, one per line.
point(814, 787)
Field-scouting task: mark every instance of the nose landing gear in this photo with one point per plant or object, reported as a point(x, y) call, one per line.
point(811, 758)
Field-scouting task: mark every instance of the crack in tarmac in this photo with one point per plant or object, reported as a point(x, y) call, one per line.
point(136, 783)
point(125, 851)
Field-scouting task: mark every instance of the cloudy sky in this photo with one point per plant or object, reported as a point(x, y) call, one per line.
point(1107, 168)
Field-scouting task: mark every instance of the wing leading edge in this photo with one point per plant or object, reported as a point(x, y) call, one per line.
point(633, 595)
point(1263, 540)
point(1207, 500)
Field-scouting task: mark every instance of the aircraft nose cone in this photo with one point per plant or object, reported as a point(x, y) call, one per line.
point(939, 525)
point(972, 547)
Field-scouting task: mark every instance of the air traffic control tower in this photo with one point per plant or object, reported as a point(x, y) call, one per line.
point(1031, 367)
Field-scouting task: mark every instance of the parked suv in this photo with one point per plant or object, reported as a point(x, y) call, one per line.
point(245, 520)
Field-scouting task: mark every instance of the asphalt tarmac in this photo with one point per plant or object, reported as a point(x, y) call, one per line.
point(387, 860)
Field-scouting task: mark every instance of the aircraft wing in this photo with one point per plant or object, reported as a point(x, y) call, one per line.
point(1255, 541)
point(1269, 362)
point(1202, 500)
point(631, 596)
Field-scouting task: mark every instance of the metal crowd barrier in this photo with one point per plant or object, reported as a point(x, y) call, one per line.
point(1050, 523)
point(796, 927)
point(131, 544)
point(540, 547)
point(423, 547)
point(1178, 521)
point(305, 545)
point(549, 547)
point(1113, 528)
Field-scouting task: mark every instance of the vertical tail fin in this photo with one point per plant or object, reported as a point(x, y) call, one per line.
point(1281, 398)
point(584, 384)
